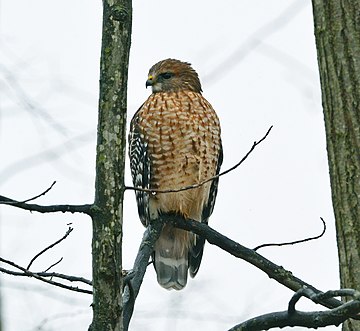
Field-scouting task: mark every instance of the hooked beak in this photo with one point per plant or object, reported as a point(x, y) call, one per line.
point(149, 81)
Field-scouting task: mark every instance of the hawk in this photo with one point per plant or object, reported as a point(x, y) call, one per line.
point(175, 142)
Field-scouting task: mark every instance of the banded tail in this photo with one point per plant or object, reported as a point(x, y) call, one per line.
point(176, 252)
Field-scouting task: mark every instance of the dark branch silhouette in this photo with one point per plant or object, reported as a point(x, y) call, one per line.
point(136, 275)
point(85, 209)
point(41, 276)
point(45, 275)
point(132, 280)
point(274, 271)
point(54, 264)
point(190, 187)
point(49, 247)
point(41, 194)
point(296, 241)
point(315, 319)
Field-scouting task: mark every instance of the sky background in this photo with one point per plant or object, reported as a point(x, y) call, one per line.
point(258, 67)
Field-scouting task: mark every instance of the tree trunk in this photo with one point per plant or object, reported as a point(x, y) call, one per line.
point(110, 161)
point(337, 32)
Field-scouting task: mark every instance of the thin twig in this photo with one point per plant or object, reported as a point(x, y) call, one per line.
point(296, 241)
point(41, 194)
point(40, 276)
point(54, 264)
point(190, 187)
point(49, 247)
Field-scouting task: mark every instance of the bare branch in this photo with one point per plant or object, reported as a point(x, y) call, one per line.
point(314, 319)
point(136, 275)
point(133, 279)
point(296, 241)
point(85, 209)
point(48, 275)
point(40, 276)
point(190, 187)
point(304, 291)
point(274, 271)
point(41, 194)
point(54, 264)
point(49, 247)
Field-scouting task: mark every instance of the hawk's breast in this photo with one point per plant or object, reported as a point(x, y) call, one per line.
point(182, 133)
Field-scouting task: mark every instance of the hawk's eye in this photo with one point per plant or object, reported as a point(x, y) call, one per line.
point(167, 75)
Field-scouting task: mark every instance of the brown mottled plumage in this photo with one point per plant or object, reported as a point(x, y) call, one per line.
point(175, 142)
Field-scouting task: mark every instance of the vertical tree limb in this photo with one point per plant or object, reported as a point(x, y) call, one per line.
point(337, 32)
point(110, 161)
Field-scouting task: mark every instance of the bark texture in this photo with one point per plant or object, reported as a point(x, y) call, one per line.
point(110, 161)
point(337, 32)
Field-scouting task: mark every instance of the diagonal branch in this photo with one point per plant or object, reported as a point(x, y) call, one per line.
point(135, 276)
point(85, 209)
point(53, 265)
point(274, 271)
point(190, 187)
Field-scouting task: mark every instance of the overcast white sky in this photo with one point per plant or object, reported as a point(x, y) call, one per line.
point(257, 62)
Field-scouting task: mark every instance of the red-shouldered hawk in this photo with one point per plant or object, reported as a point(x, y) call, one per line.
point(174, 142)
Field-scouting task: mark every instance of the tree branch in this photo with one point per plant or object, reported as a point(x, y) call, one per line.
point(314, 319)
point(135, 276)
point(53, 265)
point(41, 194)
point(40, 276)
point(190, 187)
point(296, 241)
point(85, 209)
point(49, 247)
point(47, 274)
point(274, 271)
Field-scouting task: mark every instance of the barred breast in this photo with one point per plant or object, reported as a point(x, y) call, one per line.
point(182, 132)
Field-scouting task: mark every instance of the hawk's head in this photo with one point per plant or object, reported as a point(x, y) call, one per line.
point(173, 75)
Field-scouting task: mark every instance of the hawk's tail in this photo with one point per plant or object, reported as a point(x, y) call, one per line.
point(171, 258)
point(195, 256)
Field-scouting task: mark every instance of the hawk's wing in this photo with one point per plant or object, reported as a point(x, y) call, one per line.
point(140, 168)
point(196, 252)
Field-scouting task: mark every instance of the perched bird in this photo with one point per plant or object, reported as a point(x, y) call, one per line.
point(174, 142)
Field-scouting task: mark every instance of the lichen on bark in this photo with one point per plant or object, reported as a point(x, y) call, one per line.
point(110, 161)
